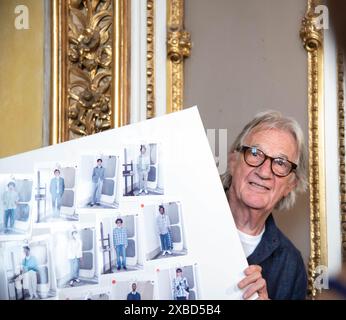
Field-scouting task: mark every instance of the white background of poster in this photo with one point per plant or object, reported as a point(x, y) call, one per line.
point(190, 175)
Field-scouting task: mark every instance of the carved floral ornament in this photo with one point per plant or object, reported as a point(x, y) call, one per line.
point(90, 66)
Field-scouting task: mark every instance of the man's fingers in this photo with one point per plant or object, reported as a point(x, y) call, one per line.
point(252, 268)
point(253, 277)
point(259, 286)
point(263, 293)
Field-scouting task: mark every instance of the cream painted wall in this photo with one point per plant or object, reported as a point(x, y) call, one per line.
point(21, 78)
point(247, 57)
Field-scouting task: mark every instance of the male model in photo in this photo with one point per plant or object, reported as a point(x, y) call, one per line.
point(97, 178)
point(10, 200)
point(120, 243)
point(163, 226)
point(134, 295)
point(57, 188)
point(180, 286)
point(143, 168)
point(74, 254)
point(29, 273)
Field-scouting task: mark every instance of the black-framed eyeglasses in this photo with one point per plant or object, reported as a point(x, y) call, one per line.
point(255, 157)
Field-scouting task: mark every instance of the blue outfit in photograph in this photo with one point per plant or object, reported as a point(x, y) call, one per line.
point(57, 188)
point(30, 264)
point(120, 243)
point(133, 296)
point(97, 179)
point(163, 225)
point(10, 199)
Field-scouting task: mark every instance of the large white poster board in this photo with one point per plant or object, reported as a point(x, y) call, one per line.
point(181, 176)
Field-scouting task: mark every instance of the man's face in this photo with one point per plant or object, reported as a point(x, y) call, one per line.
point(26, 252)
point(179, 273)
point(10, 187)
point(134, 287)
point(57, 173)
point(257, 187)
point(99, 163)
point(119, 224)
point(162, 211)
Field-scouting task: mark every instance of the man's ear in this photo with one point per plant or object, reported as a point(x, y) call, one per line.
point(291, 186)
point(232, 159)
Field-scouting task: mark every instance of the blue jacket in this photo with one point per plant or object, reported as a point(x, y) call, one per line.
point(282, 264)
point(98, 173)
point(54, 188)
point(30, 264)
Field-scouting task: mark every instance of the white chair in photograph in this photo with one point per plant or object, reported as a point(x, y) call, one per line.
point(68, 200)
point(88, 265)
point(110, 183)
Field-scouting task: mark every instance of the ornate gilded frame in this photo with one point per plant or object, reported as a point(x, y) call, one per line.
point(108, 109)
point(313, 43)
point(178, 48)
point(89, 67)
point(341, 130)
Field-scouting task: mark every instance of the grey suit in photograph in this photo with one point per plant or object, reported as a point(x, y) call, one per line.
point(97, 178)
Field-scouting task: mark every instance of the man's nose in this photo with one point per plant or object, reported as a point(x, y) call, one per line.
point(264, 171)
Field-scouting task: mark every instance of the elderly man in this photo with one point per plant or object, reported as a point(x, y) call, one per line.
point(266, 167)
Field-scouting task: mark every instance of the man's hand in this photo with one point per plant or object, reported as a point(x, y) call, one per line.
point(255, 283)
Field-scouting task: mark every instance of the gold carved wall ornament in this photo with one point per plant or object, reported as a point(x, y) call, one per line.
point(178, 48)
point(341, 128)
point(313, 43)
point(89, 67)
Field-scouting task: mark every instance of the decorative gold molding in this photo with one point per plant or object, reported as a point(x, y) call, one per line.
point(341, 129)
point(121, 68)
point(313, 43)
point(89, 67)
point(178, 48)
point(151, 110)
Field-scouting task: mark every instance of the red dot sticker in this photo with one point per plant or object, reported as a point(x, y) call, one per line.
point(157, 270)
point(142, 205)
point(114, 281)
